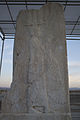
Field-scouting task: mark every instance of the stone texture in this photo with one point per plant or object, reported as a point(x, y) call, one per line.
point(40, 78)
point(34, 117)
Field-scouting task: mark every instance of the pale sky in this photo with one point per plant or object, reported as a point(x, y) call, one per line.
point(73, 48)
point(73, 52)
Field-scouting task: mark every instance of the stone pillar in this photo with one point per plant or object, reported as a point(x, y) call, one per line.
point(40, 77)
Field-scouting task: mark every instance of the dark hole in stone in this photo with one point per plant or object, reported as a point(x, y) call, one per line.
point(17, 54)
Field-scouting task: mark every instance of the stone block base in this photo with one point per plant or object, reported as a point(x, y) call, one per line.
point(9, 116)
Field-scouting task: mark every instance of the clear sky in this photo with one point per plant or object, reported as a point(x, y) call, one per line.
point(73, 52)
point(7, 66)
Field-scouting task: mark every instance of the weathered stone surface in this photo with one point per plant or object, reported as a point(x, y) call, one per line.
point(34, 117)
point(40, 78)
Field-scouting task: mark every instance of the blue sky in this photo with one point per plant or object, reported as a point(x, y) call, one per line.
point(7, 66)
point(73, 52)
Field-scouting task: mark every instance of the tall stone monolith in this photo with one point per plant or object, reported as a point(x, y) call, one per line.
point(40, 76)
